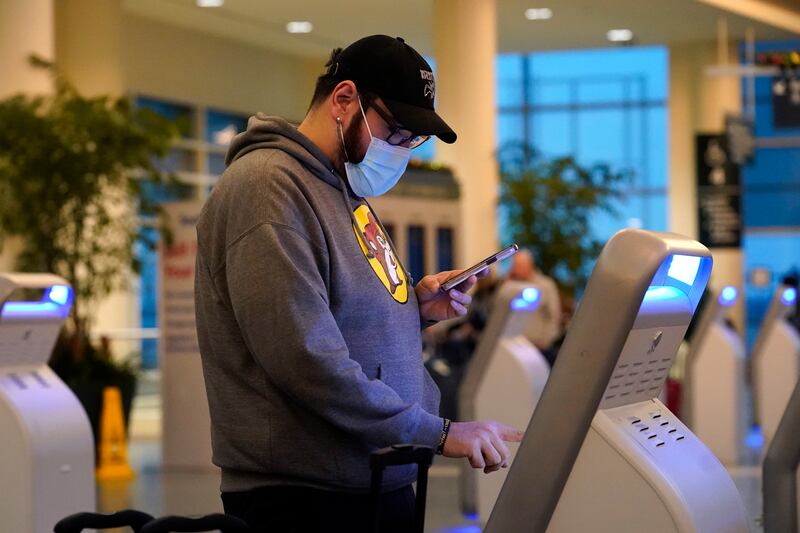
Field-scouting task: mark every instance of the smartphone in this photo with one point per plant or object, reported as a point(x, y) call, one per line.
point(478, 267)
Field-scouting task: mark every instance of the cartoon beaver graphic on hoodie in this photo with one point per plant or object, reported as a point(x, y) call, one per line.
point(377, 242)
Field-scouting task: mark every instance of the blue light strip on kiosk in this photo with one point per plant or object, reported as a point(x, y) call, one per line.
point(663, 293)
point(29, 309)
point(56, 303)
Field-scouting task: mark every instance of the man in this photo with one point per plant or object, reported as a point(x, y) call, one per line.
point(309, 326)
point(545, 325)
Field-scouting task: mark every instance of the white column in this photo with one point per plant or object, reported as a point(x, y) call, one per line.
point(89, 45)
point(465, 45)
point(26, 27)
point(698, 104)
point(88, 38)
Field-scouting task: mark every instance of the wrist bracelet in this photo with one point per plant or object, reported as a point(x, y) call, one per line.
point(445, 431)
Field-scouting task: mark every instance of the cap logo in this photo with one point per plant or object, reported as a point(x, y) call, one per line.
point(430, 86)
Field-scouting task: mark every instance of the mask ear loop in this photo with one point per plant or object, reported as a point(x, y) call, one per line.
point(365, 117)
point(341, 136)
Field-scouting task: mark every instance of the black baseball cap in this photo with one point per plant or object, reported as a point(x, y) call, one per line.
point(389, 68)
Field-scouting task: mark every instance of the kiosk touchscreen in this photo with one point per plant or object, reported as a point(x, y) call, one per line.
point(776, 361)
point(601, 452)
point(503, 382)
point(713, 394)
point(47, 459)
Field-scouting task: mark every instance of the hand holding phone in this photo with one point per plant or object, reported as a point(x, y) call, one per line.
point(478, 267)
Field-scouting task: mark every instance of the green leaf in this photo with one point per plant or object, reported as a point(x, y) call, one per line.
point(65, 185)
point(547, 206)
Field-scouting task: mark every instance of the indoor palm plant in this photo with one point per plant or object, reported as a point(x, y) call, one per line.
point(72, 170)
point(548, 204)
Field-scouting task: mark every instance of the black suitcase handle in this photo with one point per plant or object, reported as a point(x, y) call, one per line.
point(401, 454)
point(75, 523)
point(211, 522)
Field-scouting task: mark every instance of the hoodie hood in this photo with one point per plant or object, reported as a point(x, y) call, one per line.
point(276, 133)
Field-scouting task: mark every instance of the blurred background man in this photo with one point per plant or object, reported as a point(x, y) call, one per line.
point(544, 327)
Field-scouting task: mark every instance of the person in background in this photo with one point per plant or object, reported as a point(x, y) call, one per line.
point(544, 328)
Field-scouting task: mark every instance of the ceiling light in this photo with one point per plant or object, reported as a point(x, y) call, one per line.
point(619, 36)
point(541, 13)
point(210, 3)
point(299, 26)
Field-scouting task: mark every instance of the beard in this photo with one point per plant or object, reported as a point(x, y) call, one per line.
point(352, 141)
point(351, 138)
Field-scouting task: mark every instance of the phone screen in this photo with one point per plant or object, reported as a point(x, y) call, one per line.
point(478, 267)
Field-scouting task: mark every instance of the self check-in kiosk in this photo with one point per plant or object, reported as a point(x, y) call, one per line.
point(601, 452)
point(713, 394)
point(503, 382)
point(776, 361)
point(46, 445)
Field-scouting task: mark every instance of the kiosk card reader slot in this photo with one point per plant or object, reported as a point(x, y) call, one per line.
point(601, 452)
point(503, 382)
point(46, 441)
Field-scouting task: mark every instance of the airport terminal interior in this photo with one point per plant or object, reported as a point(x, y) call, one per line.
point(643, 155)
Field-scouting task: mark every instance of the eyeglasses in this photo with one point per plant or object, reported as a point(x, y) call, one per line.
point(398, 134)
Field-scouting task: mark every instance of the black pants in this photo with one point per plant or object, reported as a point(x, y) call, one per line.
point(302, 509)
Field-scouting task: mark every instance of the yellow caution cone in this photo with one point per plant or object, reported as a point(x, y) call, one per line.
point(113, 441)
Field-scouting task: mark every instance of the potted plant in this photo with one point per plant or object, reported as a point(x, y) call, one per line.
point(547, 206)
point(72, 171)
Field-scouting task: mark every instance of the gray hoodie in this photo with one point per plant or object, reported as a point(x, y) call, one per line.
point(311, 346)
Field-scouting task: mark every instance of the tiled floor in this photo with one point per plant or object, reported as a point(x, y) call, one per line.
point(161, 492)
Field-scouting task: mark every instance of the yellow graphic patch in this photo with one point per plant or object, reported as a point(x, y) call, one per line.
point(384, 261)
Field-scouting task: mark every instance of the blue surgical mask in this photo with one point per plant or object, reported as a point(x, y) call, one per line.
point(381, 168)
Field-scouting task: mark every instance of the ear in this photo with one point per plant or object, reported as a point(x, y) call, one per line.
point(343, 99)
